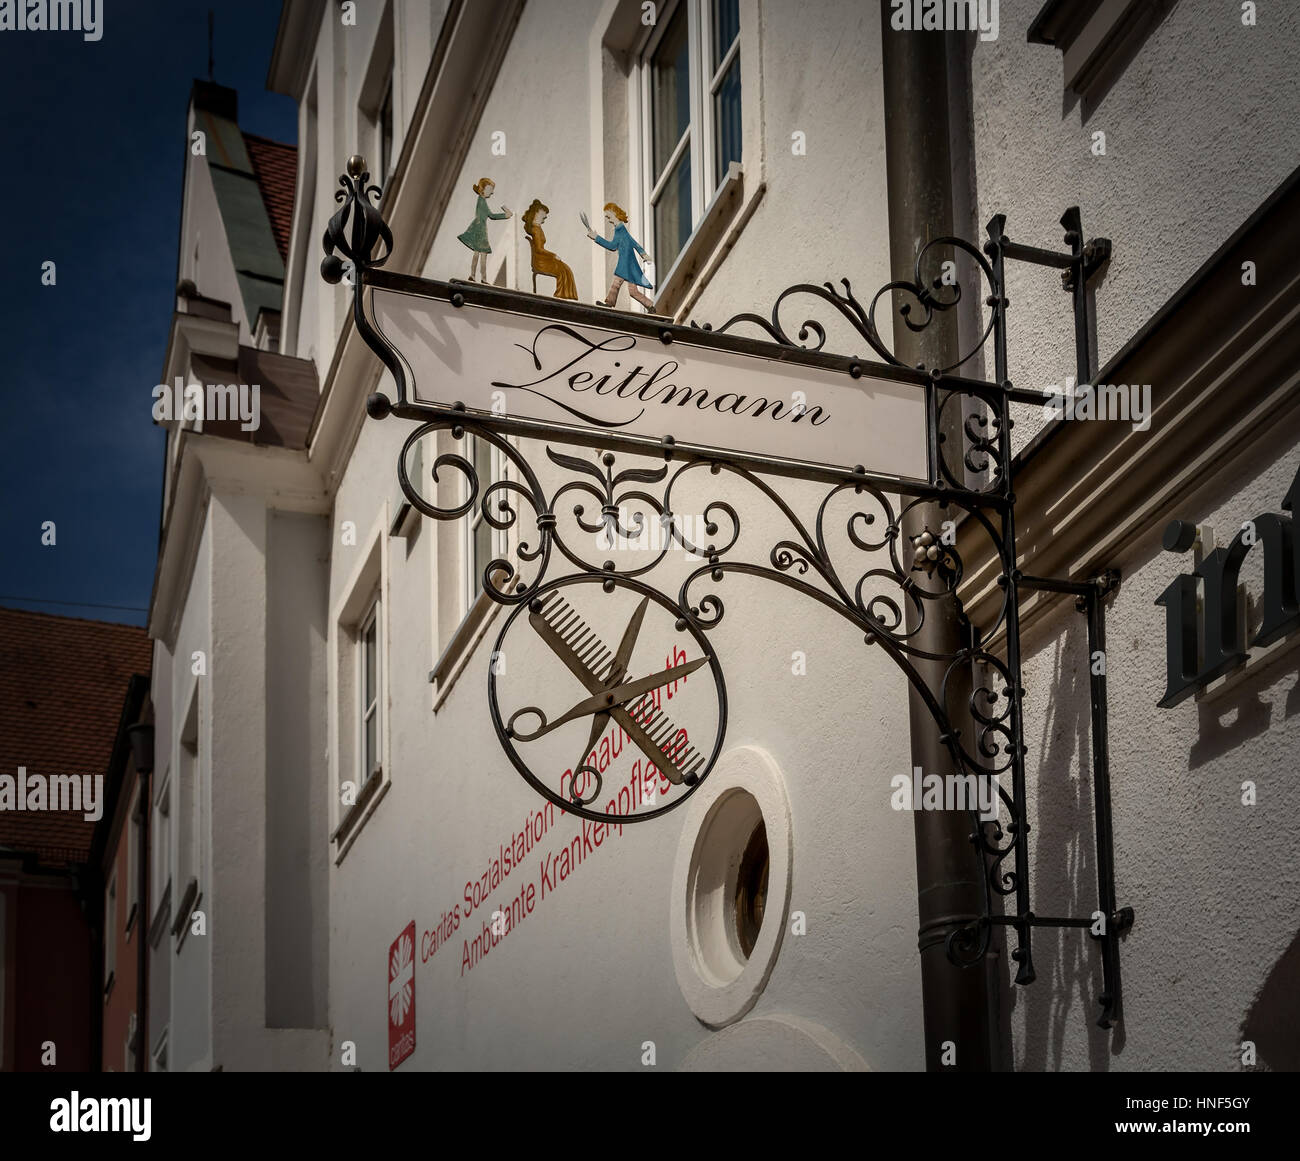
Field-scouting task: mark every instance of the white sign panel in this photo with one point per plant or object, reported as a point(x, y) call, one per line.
point(602, 377)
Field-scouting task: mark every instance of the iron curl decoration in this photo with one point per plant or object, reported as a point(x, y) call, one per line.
point(604, 487)
point(968, 944)
point(982, 452)
point(933, 297)
point(497, 504)
point(368, 226)
point(798, 559)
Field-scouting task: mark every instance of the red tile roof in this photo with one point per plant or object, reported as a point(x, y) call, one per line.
point(275, 165)
point(63, 682)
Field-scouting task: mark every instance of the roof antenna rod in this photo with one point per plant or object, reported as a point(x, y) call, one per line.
point(210, 65)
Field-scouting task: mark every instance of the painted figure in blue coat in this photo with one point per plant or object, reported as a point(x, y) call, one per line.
point(476, 236)
point(627, 248)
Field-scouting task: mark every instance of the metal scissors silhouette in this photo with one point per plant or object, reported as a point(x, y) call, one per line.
point(612, 698)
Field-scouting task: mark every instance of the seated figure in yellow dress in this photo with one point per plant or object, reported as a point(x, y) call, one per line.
point(544, 262)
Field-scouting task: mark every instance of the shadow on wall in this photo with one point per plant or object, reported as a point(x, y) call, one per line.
point(1106, 67)
point(1063, 999)
point(1222, 731)
point(1274, 1017)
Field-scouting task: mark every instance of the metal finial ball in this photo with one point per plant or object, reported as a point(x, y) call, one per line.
point(357, 165)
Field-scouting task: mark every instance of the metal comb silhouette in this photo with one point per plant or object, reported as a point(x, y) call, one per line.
point(612, 698)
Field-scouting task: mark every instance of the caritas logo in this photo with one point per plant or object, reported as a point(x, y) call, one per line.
point(401, 997)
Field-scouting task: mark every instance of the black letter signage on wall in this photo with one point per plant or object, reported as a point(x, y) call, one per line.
point(1202, 645)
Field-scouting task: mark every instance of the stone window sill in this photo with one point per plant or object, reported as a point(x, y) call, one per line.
point(371, 794)
point(461, 646)
point(159, 922)
point(709, 243)
point(189, 901)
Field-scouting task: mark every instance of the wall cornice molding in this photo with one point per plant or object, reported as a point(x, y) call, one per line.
point(208, 465)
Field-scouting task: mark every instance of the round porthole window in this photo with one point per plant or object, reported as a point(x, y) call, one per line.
point(731, 886)
point(751, 889)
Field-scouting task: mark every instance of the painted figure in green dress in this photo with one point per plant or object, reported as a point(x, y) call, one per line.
point(476, 237)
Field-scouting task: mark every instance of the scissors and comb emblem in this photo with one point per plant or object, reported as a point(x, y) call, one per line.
point(612, 698)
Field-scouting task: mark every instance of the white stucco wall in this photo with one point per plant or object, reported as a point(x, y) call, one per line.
point(297, 814)
point(249, 990)
point(190, 1036)
point(1200, 128)
point(1214, 883)
point(343, 54)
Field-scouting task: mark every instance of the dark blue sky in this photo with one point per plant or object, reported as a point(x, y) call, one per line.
point(94, 143)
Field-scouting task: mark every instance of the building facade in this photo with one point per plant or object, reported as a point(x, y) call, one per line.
point(341, 807)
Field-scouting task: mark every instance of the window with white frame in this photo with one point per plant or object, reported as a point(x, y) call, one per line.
point(369, 680)
point(359, 728)
point(133, 863)
point(189, 817)
point(690, 117)
point(161, 860)
point(130, 1042)
point(385, 130)
point(110, 931)
point(375, 106)
point(483, 543)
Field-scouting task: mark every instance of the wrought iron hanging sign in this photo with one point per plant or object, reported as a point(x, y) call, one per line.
point(610, 379)
point(629, 664)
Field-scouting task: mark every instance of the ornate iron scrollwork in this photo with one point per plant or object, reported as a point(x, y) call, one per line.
point(932, 296)
point(368, 226)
